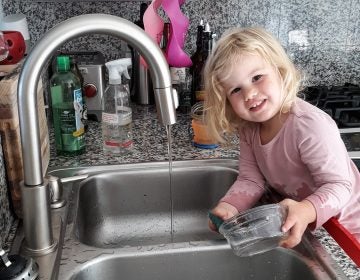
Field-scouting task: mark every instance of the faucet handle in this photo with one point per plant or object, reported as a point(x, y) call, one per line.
point(56, 191)
point(56, 188)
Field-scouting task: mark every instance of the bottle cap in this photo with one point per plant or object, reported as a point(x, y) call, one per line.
point(63, 63)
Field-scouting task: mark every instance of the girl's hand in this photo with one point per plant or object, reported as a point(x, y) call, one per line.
point(224, 211)
point(300, 215)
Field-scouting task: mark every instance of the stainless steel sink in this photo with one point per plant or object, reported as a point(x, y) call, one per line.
point(138, 207)
point(120, 223)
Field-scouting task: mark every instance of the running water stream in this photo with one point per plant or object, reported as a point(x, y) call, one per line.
point(168, 130)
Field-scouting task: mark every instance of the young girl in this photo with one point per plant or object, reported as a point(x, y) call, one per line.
point(286, 142)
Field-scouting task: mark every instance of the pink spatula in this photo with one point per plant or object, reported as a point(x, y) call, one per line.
point(153, 23)
point(175, 54)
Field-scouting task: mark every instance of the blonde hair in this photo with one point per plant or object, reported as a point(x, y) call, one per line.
point(220, 116)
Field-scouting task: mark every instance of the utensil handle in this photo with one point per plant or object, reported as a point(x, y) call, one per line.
point(217, 221)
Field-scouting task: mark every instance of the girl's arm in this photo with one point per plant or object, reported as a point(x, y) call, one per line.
point(249, 186)
point(324, 153)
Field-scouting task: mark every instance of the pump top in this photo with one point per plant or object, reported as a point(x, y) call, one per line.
point(116, 68)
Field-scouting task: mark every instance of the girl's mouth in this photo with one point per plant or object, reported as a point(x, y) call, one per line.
point(256, 106)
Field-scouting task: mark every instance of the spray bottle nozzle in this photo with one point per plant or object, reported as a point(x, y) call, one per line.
point(116, 68)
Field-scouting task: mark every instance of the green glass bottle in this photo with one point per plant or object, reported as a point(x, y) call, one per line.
point(68, 109)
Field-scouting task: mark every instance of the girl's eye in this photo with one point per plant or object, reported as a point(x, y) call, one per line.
point(256, 78)
point(235, 90)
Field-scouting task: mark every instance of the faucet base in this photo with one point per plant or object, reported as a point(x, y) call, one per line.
point(41, 252)
point(37, 219)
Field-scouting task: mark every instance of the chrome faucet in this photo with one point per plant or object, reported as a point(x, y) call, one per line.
point(35, 191)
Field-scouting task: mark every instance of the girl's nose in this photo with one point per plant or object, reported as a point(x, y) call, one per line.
point(250, 94)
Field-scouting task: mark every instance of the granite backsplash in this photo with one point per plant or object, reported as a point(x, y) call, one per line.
point(323, 37)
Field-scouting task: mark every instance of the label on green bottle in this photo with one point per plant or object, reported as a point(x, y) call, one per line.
point(79, 110)
point(68, 123)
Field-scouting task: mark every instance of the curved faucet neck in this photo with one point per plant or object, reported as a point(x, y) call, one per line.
point(46, 47)
point(35, 193)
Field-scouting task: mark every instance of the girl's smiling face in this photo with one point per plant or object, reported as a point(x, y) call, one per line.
point(253, 89)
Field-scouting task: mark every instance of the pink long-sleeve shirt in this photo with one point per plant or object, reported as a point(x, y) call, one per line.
point(307, 159)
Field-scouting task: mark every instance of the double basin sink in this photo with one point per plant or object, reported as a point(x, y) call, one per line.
point(140, 221)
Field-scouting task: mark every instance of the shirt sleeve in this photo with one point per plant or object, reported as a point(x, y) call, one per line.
point(324, 153)
point(249, 186)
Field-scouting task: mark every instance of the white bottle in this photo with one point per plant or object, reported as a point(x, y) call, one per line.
point(116, 110)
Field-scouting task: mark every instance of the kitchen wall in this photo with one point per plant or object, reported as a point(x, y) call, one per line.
point(322, 36)
point(1, 10)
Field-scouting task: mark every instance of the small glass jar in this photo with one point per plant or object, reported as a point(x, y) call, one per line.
point(201, 137)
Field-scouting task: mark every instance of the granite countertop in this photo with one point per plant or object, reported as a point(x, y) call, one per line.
point(151, 144)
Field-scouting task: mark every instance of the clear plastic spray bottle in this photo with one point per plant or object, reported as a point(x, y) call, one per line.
point(116, 110)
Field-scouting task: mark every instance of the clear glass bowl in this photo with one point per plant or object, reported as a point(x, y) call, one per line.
point(256, 230)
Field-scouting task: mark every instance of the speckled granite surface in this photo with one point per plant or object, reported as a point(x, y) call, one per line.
point(321, 36)
point(150, 143)
point(347, 265)
point(6, 217)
